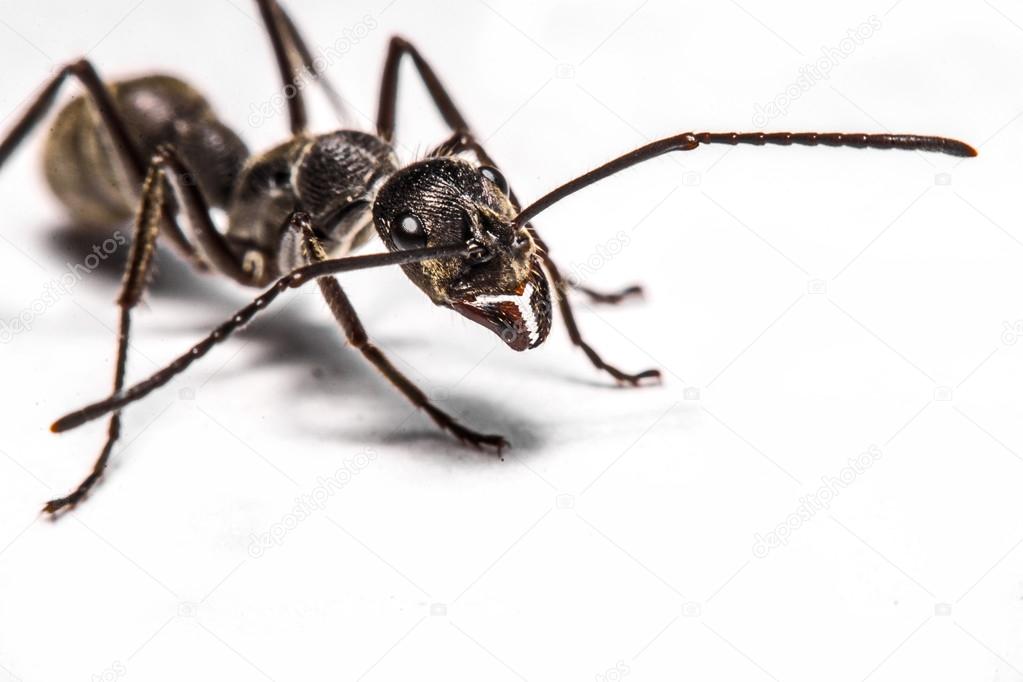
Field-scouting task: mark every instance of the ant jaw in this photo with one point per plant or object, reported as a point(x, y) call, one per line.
point(522, 318)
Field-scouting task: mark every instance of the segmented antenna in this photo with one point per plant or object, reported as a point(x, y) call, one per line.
point(923, 143)
point(689, 141)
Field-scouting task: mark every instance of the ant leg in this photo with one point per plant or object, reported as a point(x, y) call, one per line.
point(561, 285)
point(129, 153)
point(292, 54)
point(310, 64)
point(213, 246)
point(398, 48)
point(136, 274)
point(346, 316)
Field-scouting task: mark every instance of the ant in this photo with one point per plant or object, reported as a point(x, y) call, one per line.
point(152, 148)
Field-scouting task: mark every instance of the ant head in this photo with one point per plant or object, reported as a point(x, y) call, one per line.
point(448, 200)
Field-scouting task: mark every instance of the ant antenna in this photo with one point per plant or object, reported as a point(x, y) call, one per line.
point(688, 141)
point(294, 279)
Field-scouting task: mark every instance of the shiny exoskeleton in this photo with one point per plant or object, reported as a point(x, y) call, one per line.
point(152, 149)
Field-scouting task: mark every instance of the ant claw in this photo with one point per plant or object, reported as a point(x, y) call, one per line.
point(59, 505)
point(653, 374)
point(613, 297)
point(493, 440)
point(477, 440)
point(637, 380)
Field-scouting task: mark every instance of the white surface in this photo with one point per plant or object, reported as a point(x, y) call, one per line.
point(435, 561)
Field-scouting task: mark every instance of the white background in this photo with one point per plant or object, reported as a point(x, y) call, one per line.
point(815, 303)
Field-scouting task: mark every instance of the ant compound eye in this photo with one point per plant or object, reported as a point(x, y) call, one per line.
point(495, 176)
point(408, 232)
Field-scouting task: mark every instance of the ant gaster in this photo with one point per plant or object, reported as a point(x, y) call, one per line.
point(153, 148)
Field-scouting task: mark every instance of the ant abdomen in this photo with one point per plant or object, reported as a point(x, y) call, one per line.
point(83, 166)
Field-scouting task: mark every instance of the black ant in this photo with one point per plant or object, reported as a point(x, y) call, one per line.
point(153, 148)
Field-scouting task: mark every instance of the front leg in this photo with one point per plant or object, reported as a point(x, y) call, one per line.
point(346, 316)
point(561, 286)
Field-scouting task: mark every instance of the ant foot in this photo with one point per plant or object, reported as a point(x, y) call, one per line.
point(612, 297)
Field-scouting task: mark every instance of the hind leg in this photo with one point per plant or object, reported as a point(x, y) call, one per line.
point(132, 285)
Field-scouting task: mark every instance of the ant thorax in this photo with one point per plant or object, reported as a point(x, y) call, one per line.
point(333, 177)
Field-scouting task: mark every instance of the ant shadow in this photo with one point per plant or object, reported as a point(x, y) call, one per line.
point(315, 350)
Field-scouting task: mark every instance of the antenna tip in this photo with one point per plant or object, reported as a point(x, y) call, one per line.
point(961, 149)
